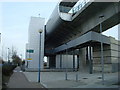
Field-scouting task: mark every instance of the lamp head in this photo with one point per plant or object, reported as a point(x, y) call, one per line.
point(40, 31)
point(101, 16)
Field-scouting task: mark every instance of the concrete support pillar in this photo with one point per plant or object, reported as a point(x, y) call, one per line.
point(90, 60)
point(78, 62)
point(66, 61)
point(82, 56)
point(87, 55)
point(60, 61)
point(77, 74)
point(73, 61)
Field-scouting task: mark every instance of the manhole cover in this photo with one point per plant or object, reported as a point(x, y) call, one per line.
point(85, 78)
point(99, 77)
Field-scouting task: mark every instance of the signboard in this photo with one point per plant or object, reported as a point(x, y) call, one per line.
point(30, 51)
point(29, 59)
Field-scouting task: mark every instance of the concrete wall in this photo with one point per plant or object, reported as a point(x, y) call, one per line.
point(66, 61)
point(115, 45)
point(97, 53)
point(36, 24)
point(110, 54)
point(82, 58)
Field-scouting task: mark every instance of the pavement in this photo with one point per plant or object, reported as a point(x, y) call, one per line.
point(19, 80)
point(85, 80)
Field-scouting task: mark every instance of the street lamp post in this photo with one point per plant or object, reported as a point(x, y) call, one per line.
point(102, 58)
point(66, 64)
point(21, 56)
point(8, 55)
point(29, 58)
point(40, 31)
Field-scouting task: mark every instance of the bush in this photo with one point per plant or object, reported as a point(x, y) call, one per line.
point(7, 69)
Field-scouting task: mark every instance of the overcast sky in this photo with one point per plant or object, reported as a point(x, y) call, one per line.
point(14, 22)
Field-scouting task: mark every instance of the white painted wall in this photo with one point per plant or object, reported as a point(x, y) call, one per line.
point(36, 24)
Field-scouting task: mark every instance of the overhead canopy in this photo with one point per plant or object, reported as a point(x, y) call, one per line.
point(82, 41)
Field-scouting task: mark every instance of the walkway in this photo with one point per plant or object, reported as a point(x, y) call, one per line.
point(19, 80)
point(85, 80)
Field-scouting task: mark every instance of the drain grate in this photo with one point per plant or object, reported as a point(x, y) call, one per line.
point(118, 83)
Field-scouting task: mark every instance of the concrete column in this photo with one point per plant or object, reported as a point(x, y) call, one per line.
point(87, 55)
point(90, 60)
point(60, 61)
point(65, 61)
point(73, 61)
point(82, 56)
point(78, 62)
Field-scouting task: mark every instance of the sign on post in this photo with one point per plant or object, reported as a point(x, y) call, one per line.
point(30, 51)
point(29, 59)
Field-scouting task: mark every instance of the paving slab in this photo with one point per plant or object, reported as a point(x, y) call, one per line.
point(85, 80)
